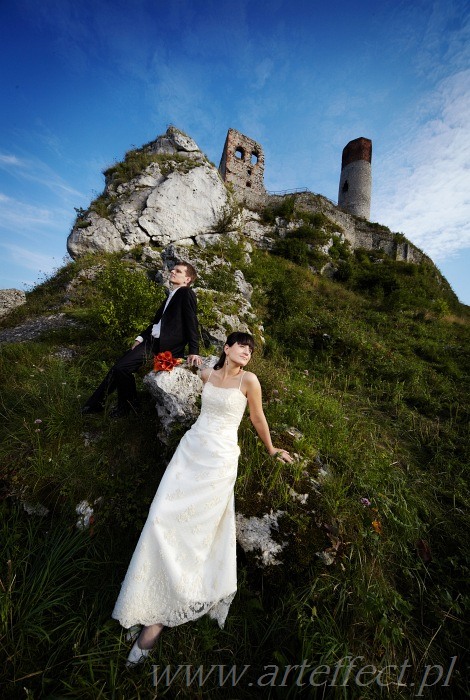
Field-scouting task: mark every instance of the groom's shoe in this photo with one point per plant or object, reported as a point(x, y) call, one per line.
point(136, 655)
point(119, 412)
point(127, 409)
point(87, 410)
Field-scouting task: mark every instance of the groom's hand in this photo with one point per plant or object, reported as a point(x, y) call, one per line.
point(194, 360)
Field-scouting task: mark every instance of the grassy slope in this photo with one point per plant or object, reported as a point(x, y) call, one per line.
point(378, 389)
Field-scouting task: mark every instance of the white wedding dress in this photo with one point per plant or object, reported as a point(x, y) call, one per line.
point(184, 564)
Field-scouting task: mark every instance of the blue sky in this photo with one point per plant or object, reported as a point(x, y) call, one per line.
point(83, 81)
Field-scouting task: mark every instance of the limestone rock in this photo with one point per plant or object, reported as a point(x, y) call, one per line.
point(182, 141)
point(226, 313)
point(176, 393)
point(329, 270)
point(254, 534)
point(150, 255)
point(100, 236)
point(260, 233)
point(65, 354)
point(244, 287)
point(151, 177)
point(173, 141)
point(34, 327)
point(126, 215)
point(206, 239)
point(10, 299)
point(35, 509)
point(184, 205)
point(85, 513)
point(252, 226)
point(173, 202)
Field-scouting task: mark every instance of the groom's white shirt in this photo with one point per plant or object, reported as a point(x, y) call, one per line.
point(157, 326)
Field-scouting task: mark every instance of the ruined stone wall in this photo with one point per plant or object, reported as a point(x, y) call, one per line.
point(242, 165)
point(360, 234)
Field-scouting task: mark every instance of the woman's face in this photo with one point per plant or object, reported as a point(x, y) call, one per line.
point(239, 353)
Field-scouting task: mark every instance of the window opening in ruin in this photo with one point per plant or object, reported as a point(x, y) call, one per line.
point(248, 184)
point(249, 171)
point(254, 158)
point(240, 153)
point(345, 187)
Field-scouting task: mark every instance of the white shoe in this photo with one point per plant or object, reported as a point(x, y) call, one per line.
point(132, 633)
point(137, 655)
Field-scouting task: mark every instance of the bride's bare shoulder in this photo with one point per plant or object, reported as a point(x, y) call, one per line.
point(251, 379)
point(204, 373)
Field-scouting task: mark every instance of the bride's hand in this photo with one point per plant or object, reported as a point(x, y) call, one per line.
point(282, 455)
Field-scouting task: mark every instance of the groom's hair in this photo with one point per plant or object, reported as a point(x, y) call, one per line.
point(190, 270)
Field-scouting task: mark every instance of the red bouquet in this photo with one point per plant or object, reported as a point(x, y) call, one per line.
point(164, 361)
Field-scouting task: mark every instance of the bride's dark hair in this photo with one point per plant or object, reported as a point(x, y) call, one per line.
point(235, 337)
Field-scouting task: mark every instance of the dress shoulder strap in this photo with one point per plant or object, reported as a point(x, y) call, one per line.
point(243, 374)
point(212, 369)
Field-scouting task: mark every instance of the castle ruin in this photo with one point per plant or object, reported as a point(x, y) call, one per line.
point(242, 165)
point(356, 178)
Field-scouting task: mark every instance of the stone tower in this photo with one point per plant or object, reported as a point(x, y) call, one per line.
point(242, 165)
point(356, 178)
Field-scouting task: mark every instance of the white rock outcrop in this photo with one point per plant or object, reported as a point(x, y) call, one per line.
point(99, 236)
point(184, 205)
point(255, 534)
point(10, 299)
point(176, 394)
point(174, 141)
point(178, 199)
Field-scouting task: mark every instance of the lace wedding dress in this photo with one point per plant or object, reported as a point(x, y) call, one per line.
point(184, 565)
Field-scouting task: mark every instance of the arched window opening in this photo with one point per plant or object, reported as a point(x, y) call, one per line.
point(254, 158)
point(240, 153)
point(345, 187)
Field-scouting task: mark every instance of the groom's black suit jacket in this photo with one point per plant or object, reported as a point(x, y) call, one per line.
point(179, 326)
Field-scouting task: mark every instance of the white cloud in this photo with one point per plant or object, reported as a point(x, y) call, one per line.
point(262, 72)
point(424, 182)
point(7, 160)
point(37, 171)
point(30, 259)
point(18, 217)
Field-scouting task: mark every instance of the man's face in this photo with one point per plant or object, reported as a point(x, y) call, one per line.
point(179, 276)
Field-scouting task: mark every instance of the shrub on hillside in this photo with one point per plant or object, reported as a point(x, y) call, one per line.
point(283, 209)
point(396, 284)
point(127, 299)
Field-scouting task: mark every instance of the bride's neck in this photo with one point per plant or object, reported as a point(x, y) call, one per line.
point(230, 372)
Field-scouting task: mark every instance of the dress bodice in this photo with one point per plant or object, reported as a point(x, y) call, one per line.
point(221, 409)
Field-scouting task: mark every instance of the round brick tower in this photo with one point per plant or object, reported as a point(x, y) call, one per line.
point(356, 178)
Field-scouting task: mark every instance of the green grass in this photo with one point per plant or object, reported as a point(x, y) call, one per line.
point(379, 395)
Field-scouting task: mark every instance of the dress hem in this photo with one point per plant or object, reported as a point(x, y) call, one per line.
point(217, 611)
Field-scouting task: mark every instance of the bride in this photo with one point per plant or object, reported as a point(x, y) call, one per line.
point(184, 564)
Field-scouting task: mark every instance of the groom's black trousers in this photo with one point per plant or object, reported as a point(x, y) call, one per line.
point(121, 376)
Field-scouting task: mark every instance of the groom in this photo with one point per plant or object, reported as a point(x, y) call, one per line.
point(174, 326)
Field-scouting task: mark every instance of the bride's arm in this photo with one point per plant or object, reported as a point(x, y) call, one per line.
point(204, 374)
point(257, 417)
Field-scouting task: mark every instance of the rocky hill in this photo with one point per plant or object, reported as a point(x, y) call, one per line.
point(355, 550)
point(168, 192)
